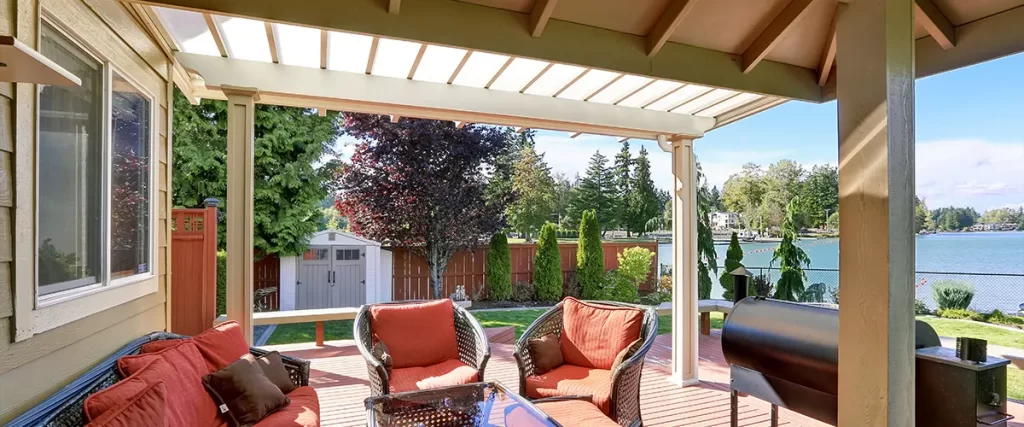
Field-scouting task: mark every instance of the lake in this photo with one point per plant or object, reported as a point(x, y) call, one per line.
point(942, 256)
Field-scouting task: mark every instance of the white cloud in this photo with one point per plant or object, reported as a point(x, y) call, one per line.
point(971, 172)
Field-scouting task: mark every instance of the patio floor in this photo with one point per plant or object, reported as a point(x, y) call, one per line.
point(338, 374)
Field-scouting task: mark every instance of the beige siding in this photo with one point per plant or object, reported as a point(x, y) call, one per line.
point(43, 363)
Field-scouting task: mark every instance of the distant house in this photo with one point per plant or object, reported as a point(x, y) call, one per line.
point(725, 220)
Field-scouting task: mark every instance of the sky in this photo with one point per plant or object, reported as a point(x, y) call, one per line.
point(970, 139)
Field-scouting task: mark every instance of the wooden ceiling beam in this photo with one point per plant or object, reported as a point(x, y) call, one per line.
point(772, 34)
point(373, 55)
point(215, 32)
point(416, 62)
point(272, 42)
point(393, 6)
point(539, 16)
point(932, 19)
point(828, 50)
point(459, 68)
point(323, 49)
point(667, 24)
point(494, 78)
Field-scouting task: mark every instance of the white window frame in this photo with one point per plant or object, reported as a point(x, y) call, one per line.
point(37, 313)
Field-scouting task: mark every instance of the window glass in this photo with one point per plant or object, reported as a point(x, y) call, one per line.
point(70, 170)
point(129, 180)
point(315, 255)
point(346, 255)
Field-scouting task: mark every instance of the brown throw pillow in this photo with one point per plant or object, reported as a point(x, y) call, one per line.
point(380, 351)
point(622, 354)
point(273, 368)
point(546, 353)
point(243, 393)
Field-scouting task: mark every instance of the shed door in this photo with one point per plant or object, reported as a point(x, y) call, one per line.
point(313, 287)
point(331, 276)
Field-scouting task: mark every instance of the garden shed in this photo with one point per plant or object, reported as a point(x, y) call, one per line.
point(338, 270)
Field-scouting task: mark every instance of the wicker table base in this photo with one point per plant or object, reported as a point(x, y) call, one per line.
point(477, 404)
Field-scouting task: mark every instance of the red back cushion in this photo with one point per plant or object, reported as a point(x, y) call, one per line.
point(222, 345)
point(416, 334)
point(188, 403)
point(158, 345)
point(121, 392)
point(147, 407)
point(593, 334)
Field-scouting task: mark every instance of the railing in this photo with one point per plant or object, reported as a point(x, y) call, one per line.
point(992, 291)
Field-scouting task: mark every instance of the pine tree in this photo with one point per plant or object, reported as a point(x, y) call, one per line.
point(547, 265)
point(792, 259)
point(596, 191)
point(733, 258)
point(706, 255)
point(623, 184)
point(535, 191)
point(590, 256)
point(643, 198)
point(716, 199)
point(499, 269)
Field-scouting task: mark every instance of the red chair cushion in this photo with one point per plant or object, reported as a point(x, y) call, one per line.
point(571, 413)
point(144, 408)
point(110, 398)
point(303, 411)
point(188, 403)
point(417, 334)
point(155, 346)
point(448, 373)
point(220, 346)
point(571, 380)
point(593, 334)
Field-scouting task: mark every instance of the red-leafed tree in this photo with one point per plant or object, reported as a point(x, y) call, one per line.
point(420, 184)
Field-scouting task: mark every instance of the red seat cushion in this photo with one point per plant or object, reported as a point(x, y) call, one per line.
point(417, 334)
point(571, 413)
point(571, 380)
point(110, 398)
point(303, 411)
point(144, 408)
point(188, 403)
point(447, 373)
point(220, 346)
point(593, 334)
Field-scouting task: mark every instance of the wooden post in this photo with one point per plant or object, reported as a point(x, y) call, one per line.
point(241, 122)
point(705, 323)
point(684, 260)
point(319, 334)
point(875, 87)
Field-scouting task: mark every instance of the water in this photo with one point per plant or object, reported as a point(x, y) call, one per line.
point(988, 252)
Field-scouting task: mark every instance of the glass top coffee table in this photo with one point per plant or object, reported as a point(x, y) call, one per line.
point(477, 404)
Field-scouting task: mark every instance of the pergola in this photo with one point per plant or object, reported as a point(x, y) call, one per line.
point(666, 70)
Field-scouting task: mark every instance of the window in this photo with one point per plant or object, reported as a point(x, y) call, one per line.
point(70, 183)
point(315, 255)
point(347, 255)
point(129, 176)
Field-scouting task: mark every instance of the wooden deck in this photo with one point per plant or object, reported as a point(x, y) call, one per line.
point(339, 375)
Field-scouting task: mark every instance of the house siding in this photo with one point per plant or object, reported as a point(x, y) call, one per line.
point(33, 368)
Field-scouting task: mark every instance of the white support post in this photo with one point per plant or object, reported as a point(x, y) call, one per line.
point(241, 122)
point(684, 260)
point(875, 86)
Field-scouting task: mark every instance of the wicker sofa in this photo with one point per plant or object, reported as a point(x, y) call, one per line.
point(624, 406)
point(64, 408)
point(473, 348)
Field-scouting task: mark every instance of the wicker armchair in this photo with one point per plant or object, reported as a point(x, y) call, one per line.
point(474, 348)
point(625, 396)
point(64, 408)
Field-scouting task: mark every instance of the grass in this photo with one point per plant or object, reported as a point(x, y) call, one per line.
point(1015, 383)
point(967, 328)
point(306, 332)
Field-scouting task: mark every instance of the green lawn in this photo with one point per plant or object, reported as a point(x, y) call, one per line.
point(1015, 383)
point(306, 332)
point(967, 328)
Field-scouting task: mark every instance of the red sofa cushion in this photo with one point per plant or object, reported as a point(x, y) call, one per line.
point(116, 395)
point(144, 408)
point(570, 380)
point(447, 373)
point(417, 334)
point(188, 403)
point(303, 411)
point(594, 334)
point(220, 346)
point(572, 413)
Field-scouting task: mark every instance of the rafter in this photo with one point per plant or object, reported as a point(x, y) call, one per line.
point(373, 55)
point(667, 24)
point(395, 118)
point(215, 32)
point(393, 6)
point(828, 50)
point(932, 19)
point(773, 33)
point(539, 16)
point(459, 68)
point(272, 41)
point(323, 49)
point(416, 62)
point(633, 92)
point(624, 139)
point(322, 112)
point(603, 87)
point(571, 82)
point(537, 77)
point(460, 124)
point(521, 129)
point(498, 74)
point(574, 135)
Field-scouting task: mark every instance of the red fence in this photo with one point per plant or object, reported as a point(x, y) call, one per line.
point(193, 269)
point(469, 268)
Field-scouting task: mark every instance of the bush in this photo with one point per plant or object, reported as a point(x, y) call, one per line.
point(222, 282)
point(635, 264)
point(999, 318)
point(953, 295)
point(960, 313)
point(547, 266)
point(760, 286)
point(523, 291)
point(590, 256)
point(618, 287)
point(814, 293)
point(733, 260)
point(920, 308)
point(499, 269)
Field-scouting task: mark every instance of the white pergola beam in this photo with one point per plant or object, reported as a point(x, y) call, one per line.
point(218, 39)
point(341, 91)
point(684, 260)
point(773, 33)
point(240, 140)
point(470, 26)
point(667, 24)
point(539, 16)
point(932, 19)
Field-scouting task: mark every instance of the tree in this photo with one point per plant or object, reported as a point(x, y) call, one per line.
point(820, 194)
point(535, 193)
point(421, 184)
point(782, 184)
point(643, 199)
point(792, 259)
point(563, 196)
point(590, 256)
point(922, 216)
point(624, 182)
point(706, 255)
point(547, 265)
point(733, 260)
point(332, 220)
point(716, 200)
point(743, 193)
point(597, 192)
point(954, 219)
point(574, 207)
point(833, 221)
point(499, 269)
point(499, 187)
point(288, 188)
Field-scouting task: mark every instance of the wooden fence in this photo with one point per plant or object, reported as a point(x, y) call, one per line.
point(194, 267)
point(266, 273)
point(468, 268)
